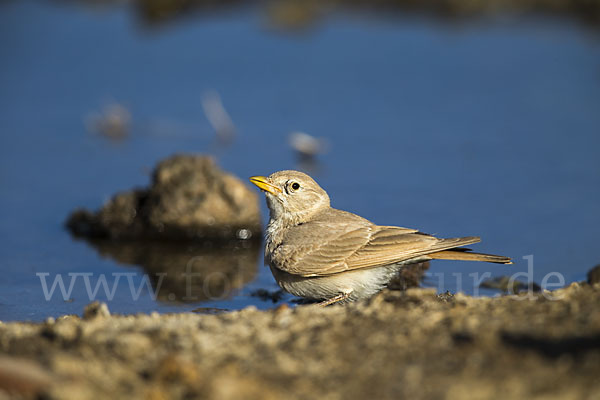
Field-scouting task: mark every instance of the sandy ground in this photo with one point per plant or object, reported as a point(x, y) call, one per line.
point(410, 344)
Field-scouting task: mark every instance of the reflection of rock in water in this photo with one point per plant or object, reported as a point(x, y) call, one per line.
point(188, 272)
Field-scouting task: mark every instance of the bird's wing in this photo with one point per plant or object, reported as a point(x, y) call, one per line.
point(325, 248)
point(388, 247)
point(317, 248)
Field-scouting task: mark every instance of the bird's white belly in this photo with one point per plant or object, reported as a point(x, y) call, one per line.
point(359, 284)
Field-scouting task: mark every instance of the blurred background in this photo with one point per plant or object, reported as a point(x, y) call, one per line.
point(455, 117)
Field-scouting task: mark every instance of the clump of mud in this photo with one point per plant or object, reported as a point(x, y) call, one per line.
point(190, 197)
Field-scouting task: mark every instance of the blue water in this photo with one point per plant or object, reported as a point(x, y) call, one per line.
point(488, 128)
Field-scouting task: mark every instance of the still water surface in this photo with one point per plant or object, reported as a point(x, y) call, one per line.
point(489, 129)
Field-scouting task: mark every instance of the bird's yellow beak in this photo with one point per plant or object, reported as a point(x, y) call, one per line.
point(263, 183)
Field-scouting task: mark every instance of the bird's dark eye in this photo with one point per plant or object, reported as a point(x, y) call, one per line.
point(291, 187)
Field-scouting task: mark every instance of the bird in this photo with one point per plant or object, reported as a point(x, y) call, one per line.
point(332, 256)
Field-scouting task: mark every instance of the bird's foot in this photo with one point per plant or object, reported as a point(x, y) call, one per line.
point(336, 299)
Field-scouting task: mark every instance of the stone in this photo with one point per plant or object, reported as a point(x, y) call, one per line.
point(190, 197)
point(96, 310)
point(593, 275)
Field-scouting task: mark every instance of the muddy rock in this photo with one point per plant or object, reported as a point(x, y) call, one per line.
point(409, 276)
point(400, 344)
point(96, 310)
point(190, 197)
point(593, 275)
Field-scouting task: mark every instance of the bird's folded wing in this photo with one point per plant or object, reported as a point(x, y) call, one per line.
point(325, 249)
point(388, 248)
point(320, 250)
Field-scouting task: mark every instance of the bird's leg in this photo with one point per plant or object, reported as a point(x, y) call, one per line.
point(340, 297)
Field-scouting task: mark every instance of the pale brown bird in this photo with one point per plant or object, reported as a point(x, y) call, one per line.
point(321, 253)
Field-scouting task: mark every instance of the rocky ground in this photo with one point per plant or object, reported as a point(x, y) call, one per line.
point(412, 344)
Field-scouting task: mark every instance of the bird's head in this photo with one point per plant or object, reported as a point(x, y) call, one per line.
point(293, 197)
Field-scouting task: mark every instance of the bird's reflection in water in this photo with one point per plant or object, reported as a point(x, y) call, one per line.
point(188, 273)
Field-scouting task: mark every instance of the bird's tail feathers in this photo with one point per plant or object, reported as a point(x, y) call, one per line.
point(466, 255)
